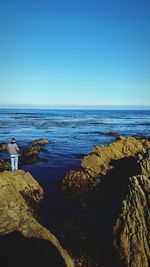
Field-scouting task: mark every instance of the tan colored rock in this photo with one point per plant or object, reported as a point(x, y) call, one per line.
point(40, 142)
point(94, 164)
point(98, 163)
point(123, 147)
point(4, 165)
point(3, 146)
point(131, 230)
point(16, 214)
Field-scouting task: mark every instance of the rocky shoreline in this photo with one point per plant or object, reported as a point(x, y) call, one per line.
point(19, 227)
point(97, 164)
point(28, 155)
point(114, 183)
point(112, 187)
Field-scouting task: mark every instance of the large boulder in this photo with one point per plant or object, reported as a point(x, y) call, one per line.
point(19, 193)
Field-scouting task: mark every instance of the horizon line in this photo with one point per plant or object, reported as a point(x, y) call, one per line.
point(59, 106)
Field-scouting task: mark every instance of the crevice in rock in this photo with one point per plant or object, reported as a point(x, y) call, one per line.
point(106, 205)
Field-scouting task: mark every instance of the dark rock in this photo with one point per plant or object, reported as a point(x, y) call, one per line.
point(102, 133)
point(32, 251)
point(3, 146)
point(4, 165)
point(30, 155)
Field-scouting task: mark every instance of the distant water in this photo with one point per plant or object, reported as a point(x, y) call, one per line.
point(72, 134)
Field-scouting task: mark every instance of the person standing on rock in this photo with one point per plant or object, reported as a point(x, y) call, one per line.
point(13, 150)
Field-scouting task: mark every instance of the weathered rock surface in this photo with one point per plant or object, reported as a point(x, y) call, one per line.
point(40, 142)
point(18, 192)
point(131, 230)
point(30, 155)
point(98, 163)
point(4, 165)
point(115, 181)
point(3, 146)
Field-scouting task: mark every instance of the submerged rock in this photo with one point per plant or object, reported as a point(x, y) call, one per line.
point(19, 193)
point(30, 155)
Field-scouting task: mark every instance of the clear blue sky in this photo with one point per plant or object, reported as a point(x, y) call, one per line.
point(75, 52)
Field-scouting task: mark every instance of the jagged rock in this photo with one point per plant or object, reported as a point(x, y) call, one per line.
point(3, 146)
point(40, 142)
point(4, 165)
point(98, 163)
point(131, 230)
point(30, 155)
point(79, 184)
point(18, 191)
point(30, 151)
point(117, 186)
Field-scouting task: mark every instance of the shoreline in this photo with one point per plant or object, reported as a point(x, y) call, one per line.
point(73, 224)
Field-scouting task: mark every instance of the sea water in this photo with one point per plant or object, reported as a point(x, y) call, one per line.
point(71, 134)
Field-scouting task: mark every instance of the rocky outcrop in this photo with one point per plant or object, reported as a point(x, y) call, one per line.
point(4, 165)
point(40, 142)
point(19, 193)
point(131, 230)
point(3, 146)
point(30, 155)
point(98, 163)
point(114, 184)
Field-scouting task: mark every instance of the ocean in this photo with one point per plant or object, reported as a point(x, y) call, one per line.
point(72, 134)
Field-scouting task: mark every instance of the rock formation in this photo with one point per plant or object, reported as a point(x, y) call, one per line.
point(28, 155)
point(3, 146)
point(131, 229)
point(40, 142)
point(114, 182)
point(4, 165)
point(19, 193)
point(98, 163)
